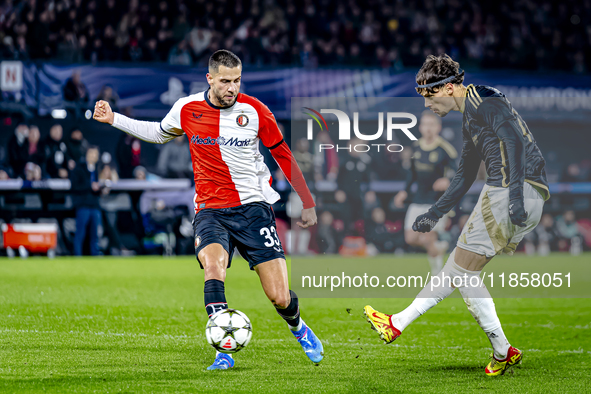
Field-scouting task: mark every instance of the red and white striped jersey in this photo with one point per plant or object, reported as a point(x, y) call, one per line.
point(228, 166)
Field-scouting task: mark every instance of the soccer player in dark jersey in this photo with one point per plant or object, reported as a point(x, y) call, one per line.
point(509, 207)
point(433, 160)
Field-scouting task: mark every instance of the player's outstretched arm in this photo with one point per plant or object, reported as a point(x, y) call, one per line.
point(145, 131)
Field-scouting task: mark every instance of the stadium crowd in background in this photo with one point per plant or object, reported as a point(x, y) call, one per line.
point(352, 210)
point(543, 35)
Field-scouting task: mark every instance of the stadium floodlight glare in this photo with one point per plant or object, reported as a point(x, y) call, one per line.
point(58, 113)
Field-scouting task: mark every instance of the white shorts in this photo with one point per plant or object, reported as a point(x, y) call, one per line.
point(489, 230)
point(414, 210)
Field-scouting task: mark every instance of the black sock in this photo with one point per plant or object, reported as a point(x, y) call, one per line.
point(214, 296)
point(291, 314)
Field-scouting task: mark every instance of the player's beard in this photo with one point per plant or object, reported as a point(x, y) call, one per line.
point(223, 101)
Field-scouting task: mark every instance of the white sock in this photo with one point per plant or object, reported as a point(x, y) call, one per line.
point(482, 308)
point(436, 290)
point(499, 342)
point(298, 327)
point(436, 264)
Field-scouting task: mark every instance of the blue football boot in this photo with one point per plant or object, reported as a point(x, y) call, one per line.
point(222, 361)
point(310, 343)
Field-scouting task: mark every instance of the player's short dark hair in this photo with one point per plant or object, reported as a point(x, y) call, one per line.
point(438, 68)
point(225, 58)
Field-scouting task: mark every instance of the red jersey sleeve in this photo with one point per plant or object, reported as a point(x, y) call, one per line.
point(272, 138)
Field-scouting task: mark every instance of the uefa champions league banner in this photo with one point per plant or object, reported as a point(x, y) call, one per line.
point(156, 88)
point(357, 224)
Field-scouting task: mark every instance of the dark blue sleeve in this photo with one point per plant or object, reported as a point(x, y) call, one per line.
point(461, 182)
point(497, 113)
point(449, 163)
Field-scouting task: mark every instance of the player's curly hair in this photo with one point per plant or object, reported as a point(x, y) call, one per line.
point(438, 68)
point(225, 58)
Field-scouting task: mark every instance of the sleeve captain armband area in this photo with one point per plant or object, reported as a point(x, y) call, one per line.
point(277, 144)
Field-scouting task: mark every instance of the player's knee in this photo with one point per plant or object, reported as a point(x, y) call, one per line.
point(214, 267)
point(281, 301)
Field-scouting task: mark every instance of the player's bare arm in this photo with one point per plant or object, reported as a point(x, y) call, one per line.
point(146, 131)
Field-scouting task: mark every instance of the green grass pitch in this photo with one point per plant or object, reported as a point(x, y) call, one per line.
point(137, 326)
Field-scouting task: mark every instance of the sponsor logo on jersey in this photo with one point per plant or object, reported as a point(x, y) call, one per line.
point(242, 120)
point(221, 141)
point(197, 116)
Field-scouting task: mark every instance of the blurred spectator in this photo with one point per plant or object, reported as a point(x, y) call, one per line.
point(377, 233)
point(107, 177)
point(180, 55)
point(18, 150)
point(538, 35)
point(353, 179)
point(32, 172)
point(55, 153)
point(370, 202)
point(128, 154)
point(109, 95)
point(546, 234)
point(326, 162)
point(76, 95)
point(108, 174)
point(4, 174)
point(86, 189)
point(159, 224)
point(174, 160)
point(199, 38)
point(141, 174)
point(568, 230)
point(327, 239)
point(281, 185)
point(572, 173)
point(35, 151)
point(76, 144)
point(304, 158)
point(74, 90)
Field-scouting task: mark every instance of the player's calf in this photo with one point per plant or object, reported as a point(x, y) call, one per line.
point(305, 336)
point(214, 296)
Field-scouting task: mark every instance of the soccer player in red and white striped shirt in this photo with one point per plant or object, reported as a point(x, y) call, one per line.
point(233, 193)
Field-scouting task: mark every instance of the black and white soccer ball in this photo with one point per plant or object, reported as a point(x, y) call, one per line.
point(228, 331)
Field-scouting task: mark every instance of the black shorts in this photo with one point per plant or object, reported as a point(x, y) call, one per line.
point(250, 228)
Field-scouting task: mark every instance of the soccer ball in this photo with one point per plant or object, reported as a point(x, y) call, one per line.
point(228, 331)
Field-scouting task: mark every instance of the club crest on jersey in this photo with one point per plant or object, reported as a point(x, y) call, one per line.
point(242, 120)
